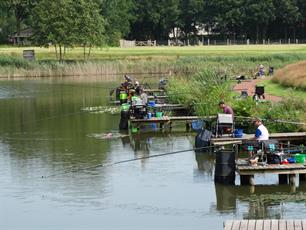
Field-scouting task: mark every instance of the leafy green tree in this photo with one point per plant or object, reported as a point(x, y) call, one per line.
point(65, 23)
point(258, 15)
point(20, 8)
point(154, 21)
point(89, 26)
point(190, 15)
point(118, 17)
point(287, 13)
point(226, 16)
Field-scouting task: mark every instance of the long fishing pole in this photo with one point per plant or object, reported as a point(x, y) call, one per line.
point(126, 161)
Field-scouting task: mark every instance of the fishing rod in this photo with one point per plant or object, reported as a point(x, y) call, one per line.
point(126, 161)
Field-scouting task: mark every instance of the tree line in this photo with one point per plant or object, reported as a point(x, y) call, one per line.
point(88, 22)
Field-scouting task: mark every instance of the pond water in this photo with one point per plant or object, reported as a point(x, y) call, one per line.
point(51, 152)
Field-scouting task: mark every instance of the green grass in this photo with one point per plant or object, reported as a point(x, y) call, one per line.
point(279, 90)
point(160, 51)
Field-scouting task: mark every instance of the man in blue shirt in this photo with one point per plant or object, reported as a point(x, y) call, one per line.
point(262, 133)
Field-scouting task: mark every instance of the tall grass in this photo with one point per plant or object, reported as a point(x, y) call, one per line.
point(293, 75)
point(226, 65)
point(204, 90)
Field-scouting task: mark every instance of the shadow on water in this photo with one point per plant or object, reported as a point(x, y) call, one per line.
point(262, 201)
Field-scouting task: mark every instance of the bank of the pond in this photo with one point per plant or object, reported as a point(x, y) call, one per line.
point(229, 60)
point(203, 91)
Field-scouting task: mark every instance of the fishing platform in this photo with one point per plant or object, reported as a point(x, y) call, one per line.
point(164, 120)
point(268, 224)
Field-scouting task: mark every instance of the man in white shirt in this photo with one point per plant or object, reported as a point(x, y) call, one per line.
point(262, 133)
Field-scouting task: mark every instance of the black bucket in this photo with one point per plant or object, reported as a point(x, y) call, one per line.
point(124, 120)
point(225, 167)
point(202, 141)
point(259, 90)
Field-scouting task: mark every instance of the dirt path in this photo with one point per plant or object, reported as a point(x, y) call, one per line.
point(249, 86)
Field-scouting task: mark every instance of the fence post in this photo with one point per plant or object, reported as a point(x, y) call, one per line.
point(289, 41)
point(208, 42)
point(296, 41)
point(280, 41)
point(227, 41)
point(263, 41)
point(248, 41)
point(188, 42)
point(268, 41)
point(168, 42)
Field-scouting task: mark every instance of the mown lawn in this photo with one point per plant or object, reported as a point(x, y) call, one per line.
point(160, 51)
point(282, 91)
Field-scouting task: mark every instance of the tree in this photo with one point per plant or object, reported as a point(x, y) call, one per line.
point(226, 15)
point(287, 13)
point(190, 15)
point(66, 23)
point(20, 8)
point(154, 20)
point(258, 14)
point(89, 26)
point(118, 17)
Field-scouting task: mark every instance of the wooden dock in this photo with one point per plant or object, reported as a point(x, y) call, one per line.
point(276, 136)
point(154, 91)
point(286, 172)
point(164, 120)
point(265, 225)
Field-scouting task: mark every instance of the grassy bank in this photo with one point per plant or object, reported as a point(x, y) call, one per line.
point(226, 60)
point(204, 90)
point(293, 75)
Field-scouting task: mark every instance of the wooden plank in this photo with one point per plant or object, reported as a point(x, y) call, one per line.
point(251, 224)
point(267, 225)
point(304, 224)
point(282, 224)
point(277, 136)
point(298, 225)
point(274, 224)
point(236, 224)
point(290, 225)
point(259, 225)
point(228, 225)
point(244, 225)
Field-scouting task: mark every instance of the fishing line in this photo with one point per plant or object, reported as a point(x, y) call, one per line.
point(126, 161)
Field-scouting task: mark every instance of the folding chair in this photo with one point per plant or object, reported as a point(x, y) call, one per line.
point(225, 124)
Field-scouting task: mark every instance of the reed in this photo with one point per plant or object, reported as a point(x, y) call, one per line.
point(229, 65)
point(293, 75)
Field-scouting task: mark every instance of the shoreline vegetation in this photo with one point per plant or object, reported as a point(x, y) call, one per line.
point(227, 60)
point(201, 74)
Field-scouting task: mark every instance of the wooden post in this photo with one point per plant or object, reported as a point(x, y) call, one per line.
point(292, 179)
point(302, 177)
point(187, 126)
point(283, 178)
